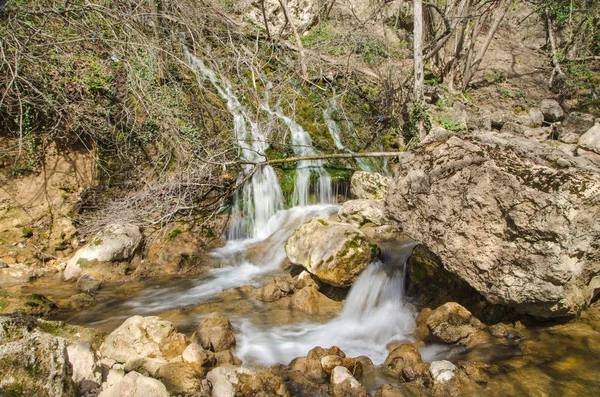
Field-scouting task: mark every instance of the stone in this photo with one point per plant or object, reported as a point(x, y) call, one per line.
point(540, 133)
point(361, 212)
point(197, 357)
point(223, 382)
point(537, 117)
point(574, 126)
point(336, 253)
point(369, 185)
point(143, 342)
point(452, 323)
point(87, 283)
point(442, 371)
point(215, 333)
point(179, 378)
point(135, 385)
point(508, 215)
point(551, 110)
point(226, 357)
point(344, 384)
point(328, 363)
point(116, 242)
point(268, 293)
point(481, 120)
point(87, 371)
point(403, 390)
point(32, 362)
point(402, 357)
point(501, 117)
point(311, 301)
point(18, 273)
point(591, 139)
point(311, 365)
point(512, 127)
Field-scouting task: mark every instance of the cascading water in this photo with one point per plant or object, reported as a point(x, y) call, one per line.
point(302, 146)
point(259, 199)
point(335, 132)
point(374, 314)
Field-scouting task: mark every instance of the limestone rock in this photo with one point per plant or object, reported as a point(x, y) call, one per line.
point(442, 371)
point(179, 378)
point(116, 242)
point(197, 357)
point(591, 139)
point(223, 382)
point(501, 117)
point(402, 357)
point(361, 212)
point(87, 371)
point(551, 110)
point(451, 323)
point(135, 385)
point(536, 116)
point(88, 283)
point(226, 357)
point(329, 363)
point(144, 342)
point(334, 252)
point(268, 293)
point(508, 215)
point(344, 384)
point(311, 301)
point(215, 333)
point(369, 185)
point(575, 125)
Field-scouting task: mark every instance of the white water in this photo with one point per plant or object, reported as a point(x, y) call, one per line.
point(373, 316)
point(335, 132)
point(259, 199)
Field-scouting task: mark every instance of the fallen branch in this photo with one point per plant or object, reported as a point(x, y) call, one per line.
point(555, 62)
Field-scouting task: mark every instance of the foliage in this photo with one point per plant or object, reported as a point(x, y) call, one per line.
point(452, 125)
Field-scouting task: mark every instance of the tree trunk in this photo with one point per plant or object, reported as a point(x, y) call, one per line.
point(288, 18)
point(419, 85)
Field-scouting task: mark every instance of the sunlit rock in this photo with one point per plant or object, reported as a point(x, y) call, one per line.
point(361, 212)
point(135, 384)
point(369, 185)
point(215, 333)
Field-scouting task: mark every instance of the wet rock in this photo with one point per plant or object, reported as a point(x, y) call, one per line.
point(442, 371)
point(197, 357)
point(591, 139)
point(135, 384)
point(328, 363)
point(87, 372)
point(403, 390)
point(116, 242)
point(18, 273)
point(369, 185)
point(285, 285)
point(268, 293)
point(87, 283)
point(401, 358)
point(310, 300)
point(304, 279)
point(178, 252)
point(344, 384)
point(179, 378)
point(334, 252)
point(311, 365)
point(551, 110)
point(575, 125)
point(452, 323)
point(143, 342)
point(361, 212)
point(522, 208)
point(78, 302)
point(250, 383)
point(215, 333)
point(223, 382)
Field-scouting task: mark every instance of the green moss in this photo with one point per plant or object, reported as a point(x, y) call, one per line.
point(174, 234)
point(322, 222)
point(3, 304)
point(96, 241)
point(27, 233)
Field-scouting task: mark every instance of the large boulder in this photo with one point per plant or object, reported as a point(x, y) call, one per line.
point(361, 212)
point(116, 242)
point(215, 333)
point(143, 342)
point(575, 125)
point(334, 252)
point(551, 110)
point(87, 371)
point(369, 185)
point(512, 217)
point(591, 139)
point(135, 385)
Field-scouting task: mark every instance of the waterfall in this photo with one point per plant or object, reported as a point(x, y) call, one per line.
point(335, 132)
point(374, 315)
point(302, 146)
point(259, 199)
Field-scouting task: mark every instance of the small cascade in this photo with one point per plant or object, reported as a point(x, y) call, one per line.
point(335, 132)
point(260, 198)
point(374, 315)
point(302, 146)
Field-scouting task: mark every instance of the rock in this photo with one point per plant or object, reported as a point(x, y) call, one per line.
point(508, 215)
point(369, 185)
point(334, 252)
point(226, 357)
point(403, 390)
point(215, 333)
point(442, 371)
point(32, 362)
point(587, 154)
point(328, 363)
point(197, 357)
point(116, 242)
point(268, 293)
point(311, 365)
point(78, 302)
point(87, 372)
point(344, 384)
point(143, 342)
point(361, 212)
point(512, 127)
point(311, 301)
point(481, 120)
point(177, 252)
point(537, 117)
point(501, 117)
point(223, 382)
point(541, 133)
point(452, 323)
point(402, 357)
point(179, 378)
point(575, 125)
point(135, 385)
point(591, 139)
point(551, 110)
point(87, 283)
point(18, 273)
